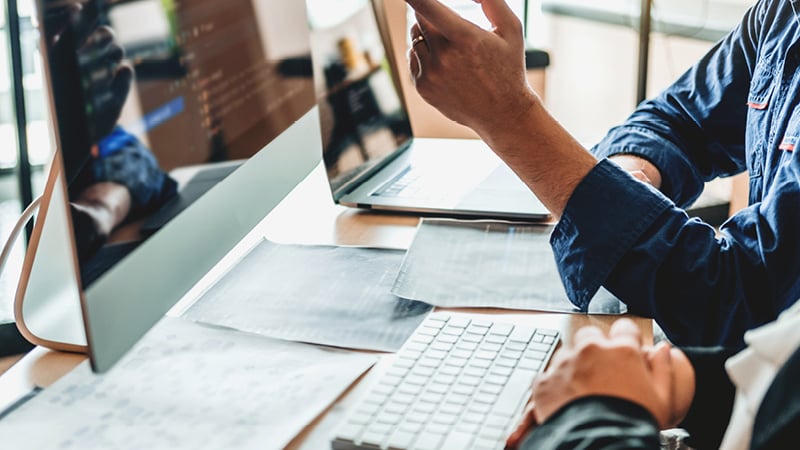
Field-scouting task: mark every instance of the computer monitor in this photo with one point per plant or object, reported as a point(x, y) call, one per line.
point(179, 126)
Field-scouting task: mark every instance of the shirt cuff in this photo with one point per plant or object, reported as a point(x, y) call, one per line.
point(604, 217)
point(596, 422)
point(679, 180)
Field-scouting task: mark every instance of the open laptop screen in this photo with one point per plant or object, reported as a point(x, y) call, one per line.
point(143, 88)
point(363, 119)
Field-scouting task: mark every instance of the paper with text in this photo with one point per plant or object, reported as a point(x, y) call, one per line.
point(188, 386)
point(488, 264)
point(328, 295)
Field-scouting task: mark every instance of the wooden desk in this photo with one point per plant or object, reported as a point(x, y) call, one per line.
point(308, 216)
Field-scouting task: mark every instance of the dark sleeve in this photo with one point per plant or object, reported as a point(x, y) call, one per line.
point(703, 286)
point(712, 405)
point(596, 422)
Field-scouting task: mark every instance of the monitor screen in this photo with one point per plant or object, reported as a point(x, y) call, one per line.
point(180, 125)
point(150, 87)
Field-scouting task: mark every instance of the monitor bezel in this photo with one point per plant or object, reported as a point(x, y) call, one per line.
point(125, 302)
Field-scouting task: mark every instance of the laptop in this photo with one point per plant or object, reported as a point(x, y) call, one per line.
point(372, 158)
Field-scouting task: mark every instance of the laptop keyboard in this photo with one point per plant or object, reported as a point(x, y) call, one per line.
point(411, 182)
point(457, 383)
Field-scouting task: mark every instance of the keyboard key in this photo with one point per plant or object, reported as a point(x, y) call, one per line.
point(496, 339)
point(422, 339)
point(539, 346)
point(450, 339)
point(475, 371)
point(469, 380)
point(530, 364)
point(463, 389)
point(518, 346)
point(436, 322)
point(391, 380)
point(428, 331)
point(458, 440)
point(501, 329)
point(349, 432)
point(474, 338)
point(505, 362)
point(483, 354)
point(482, 443)
point(428, 441)
point(448, 408)
point(425, 407)
point(401, 440)
point(477, 330)
point(502, 371)
point(535, 354)
point(372, 439)
point(411, 427)
point(492, 433)
point(500, 423)
point(459, 322)
point(480, 363)
point(449, 370)
point(360, 418)
point(442, 346)
point(461, 354)
point(466, 345)
point(493, 389)
point(388, 418)
point(547, 332)
point(376, 399)
point(444, 419)
point(473, 417)
point(456, 362)
point(521, 334)
point(483, 397)
point(453, 331)
point(436, 354)
point(491, 347)
point(493, 379)
point(514, 391)
point(416, 347)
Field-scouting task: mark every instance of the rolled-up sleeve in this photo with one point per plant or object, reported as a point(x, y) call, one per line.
point(703, 286)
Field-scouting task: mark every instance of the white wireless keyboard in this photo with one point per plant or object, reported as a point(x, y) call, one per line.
point(457, 383)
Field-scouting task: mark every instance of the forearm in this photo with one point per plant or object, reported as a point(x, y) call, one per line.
point(542, 153)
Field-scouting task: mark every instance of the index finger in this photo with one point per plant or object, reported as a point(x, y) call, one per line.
point(447, 21)
point(626, 330)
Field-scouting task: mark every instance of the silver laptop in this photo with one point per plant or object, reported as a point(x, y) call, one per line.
point(372, 158)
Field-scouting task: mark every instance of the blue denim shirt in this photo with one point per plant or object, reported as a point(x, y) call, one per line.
point(737, 109)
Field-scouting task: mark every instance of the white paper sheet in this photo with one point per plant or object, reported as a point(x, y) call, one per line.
point(188, 386)
point(336, 296)
point(488, 264)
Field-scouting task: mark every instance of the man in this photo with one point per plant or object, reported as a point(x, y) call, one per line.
point(621, 225)
point(581, 401)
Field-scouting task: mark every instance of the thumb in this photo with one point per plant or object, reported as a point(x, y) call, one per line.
point(501, 16)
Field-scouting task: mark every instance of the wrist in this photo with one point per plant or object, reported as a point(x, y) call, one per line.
point(634, 163)
point(507, 128)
